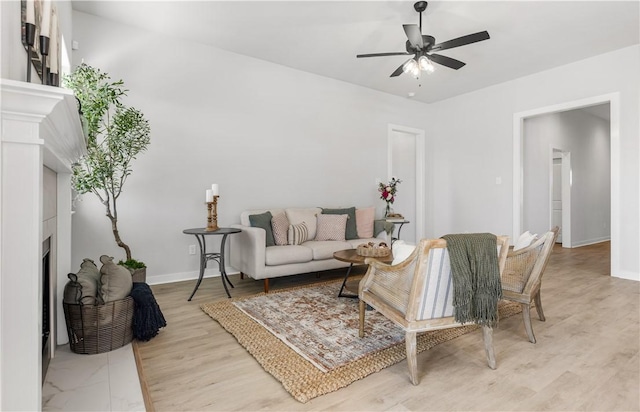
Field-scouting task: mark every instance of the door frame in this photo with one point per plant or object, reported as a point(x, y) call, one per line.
point(420, 171)
point(518, 174)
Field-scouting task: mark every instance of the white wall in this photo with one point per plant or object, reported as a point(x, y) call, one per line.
point(273, 136)
point(270, 136)
point(587, 137)
point(473, 144)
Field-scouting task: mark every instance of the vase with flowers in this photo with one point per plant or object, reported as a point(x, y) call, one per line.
point(388, 193)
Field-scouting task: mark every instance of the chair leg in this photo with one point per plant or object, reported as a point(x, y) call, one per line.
point(539, 307)
point(526, 316)
point(487, 337)
point(410, 340)
point(361, 306)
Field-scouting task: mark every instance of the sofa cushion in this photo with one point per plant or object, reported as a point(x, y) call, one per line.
point(297, 215)
point(280, 226)
point(331, 227)
point(297, 234)
point(282, 255)
point(351, 231)
point(364, 222)
point(323, 249)
point(263, 220)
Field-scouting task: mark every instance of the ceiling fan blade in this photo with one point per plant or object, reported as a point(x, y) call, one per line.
point(383, 54)
point(461, 41)
point(446, 61)
point(398, 71)
point(413, 34)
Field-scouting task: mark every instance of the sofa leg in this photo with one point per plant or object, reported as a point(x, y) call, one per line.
point(266, 286)
point(241, 275)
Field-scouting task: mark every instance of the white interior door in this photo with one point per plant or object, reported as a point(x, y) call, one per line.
point(406, 161)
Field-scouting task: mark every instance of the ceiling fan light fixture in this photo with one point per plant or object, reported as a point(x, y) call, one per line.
point(425, 64)
point(410, 66)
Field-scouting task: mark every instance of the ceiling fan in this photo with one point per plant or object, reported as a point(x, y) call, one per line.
point(422, 47)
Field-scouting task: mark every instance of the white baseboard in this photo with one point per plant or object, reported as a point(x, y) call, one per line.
point(182, 276)
point(625, 274)
point(591, 241)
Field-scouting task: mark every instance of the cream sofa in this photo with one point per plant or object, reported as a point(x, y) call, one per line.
point(250, 255)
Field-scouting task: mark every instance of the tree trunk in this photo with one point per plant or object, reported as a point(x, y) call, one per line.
point(116, 235)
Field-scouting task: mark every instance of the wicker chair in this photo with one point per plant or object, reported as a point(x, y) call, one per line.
point(413, 294)
point(522, 276)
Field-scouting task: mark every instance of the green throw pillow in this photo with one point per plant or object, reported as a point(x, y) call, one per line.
point(263, 221)
point(351, 232)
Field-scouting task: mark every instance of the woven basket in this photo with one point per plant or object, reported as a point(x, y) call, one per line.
point(99, 328)
point(373, 251)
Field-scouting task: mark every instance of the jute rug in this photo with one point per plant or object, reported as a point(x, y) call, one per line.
point(307, 337)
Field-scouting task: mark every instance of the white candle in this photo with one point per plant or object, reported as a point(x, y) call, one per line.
point(45, 25)
point(53, 48)
point(31, 12)
point(209, 195)
point(214, 189)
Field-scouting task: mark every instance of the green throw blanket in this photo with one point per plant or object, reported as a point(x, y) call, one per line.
point(476, 277)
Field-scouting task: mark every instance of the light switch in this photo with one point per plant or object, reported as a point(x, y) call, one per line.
point(498, 180)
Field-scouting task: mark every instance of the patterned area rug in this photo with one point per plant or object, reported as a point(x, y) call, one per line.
point(307, 337)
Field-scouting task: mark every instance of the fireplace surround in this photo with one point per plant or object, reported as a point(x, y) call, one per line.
point(41, 130)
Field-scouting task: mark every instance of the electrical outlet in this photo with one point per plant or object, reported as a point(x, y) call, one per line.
point(192, 249)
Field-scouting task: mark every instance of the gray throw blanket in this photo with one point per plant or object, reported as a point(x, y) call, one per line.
point(476, 277)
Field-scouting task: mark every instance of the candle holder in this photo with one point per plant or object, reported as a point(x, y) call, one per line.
point(44, 51)
point(212, 215)
point(30, 39)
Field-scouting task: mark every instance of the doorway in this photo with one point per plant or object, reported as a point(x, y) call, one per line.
point(406, 161)
point(614, 204)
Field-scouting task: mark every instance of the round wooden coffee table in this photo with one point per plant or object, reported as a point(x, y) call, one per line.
point(351, 256)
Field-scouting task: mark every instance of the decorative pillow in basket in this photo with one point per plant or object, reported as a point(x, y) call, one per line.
point(372, 250)
point(97, 307)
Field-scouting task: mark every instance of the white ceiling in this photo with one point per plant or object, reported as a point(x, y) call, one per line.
point(323, 37)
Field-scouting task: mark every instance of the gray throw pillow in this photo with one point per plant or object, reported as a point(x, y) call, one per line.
point(351, 231)
point(89, 279)
point(263, 220)
point(72, 290)
point(116, 280)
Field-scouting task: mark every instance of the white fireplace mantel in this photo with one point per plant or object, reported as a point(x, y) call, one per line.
point(40, 127)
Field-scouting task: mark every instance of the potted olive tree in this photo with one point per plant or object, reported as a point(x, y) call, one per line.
point(115, 134)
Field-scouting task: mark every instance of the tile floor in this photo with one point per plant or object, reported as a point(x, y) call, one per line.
point(102, 382)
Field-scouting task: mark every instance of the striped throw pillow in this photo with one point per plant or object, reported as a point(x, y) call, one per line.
point(280, 226)
point(298, 234)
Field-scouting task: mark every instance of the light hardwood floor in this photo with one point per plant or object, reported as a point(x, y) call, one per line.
point(586, 357)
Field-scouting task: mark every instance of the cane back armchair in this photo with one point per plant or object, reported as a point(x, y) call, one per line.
point(522, 277)
point(416, 294)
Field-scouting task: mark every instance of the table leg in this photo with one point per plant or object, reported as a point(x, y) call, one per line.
point(203, 264)
point(344, 282)
point(223, 268)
